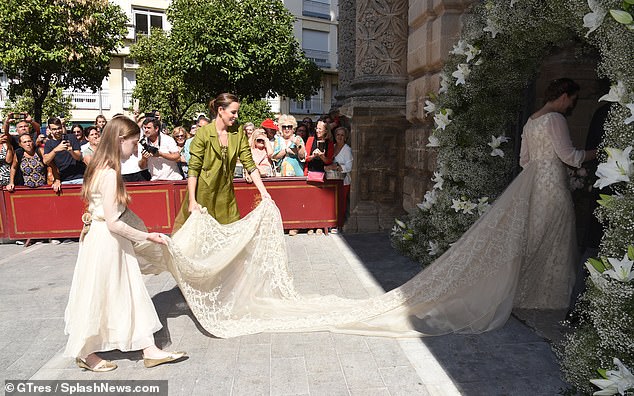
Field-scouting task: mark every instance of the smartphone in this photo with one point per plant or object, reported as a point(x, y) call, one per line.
point(19, 116)
point(65, 138)
point(321, 145)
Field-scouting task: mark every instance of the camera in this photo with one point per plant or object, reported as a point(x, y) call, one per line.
point(147, 147)
point(19, 116)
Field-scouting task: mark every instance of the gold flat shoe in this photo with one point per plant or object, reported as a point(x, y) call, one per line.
point(101, 367)
point(172, 357)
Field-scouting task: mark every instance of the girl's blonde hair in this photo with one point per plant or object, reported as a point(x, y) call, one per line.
point(108, 155)
point(286, 119)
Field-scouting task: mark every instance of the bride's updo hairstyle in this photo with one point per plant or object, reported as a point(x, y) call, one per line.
point(558, 87)
point(223, 100)
point(108, 154)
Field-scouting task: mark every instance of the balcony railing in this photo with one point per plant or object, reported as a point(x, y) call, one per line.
point(321, 58)
point(316, 9)
point(127, 99)
point(313, 105)
point(89, 100)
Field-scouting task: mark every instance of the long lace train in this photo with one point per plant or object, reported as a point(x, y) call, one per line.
point(236, 280)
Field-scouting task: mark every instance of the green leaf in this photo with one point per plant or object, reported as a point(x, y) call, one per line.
point(606, 200)
point(621, 16)
point(603, 373)
point(597, 264)
point(630, 2)
point(630, 252)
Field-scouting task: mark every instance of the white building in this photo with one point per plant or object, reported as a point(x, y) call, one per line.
point(315, 30)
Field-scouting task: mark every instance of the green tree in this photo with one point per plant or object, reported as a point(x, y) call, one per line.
point(254, 111)
point(246, 47)
point(68, 43)
point(158, 86)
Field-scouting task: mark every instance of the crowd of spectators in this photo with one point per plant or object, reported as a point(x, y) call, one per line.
point(57, 154)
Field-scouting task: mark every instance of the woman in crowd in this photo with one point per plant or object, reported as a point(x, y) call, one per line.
point(6, 158)
point(291, 152)
point(302, 132)
point(321, 149)
point(100, 122)
point(214, 152)
point(109, 306)
point(249, 127)
point(88, 150)
point(28, 168)
point(180, 137)
point(342, 163)
point(80, 134)
point(261, 151)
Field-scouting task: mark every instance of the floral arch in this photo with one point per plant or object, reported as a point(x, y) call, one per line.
point(501, 47)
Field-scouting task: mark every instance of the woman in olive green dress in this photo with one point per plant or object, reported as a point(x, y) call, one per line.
point(214, 152)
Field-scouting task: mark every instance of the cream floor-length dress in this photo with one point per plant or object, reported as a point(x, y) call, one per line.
point(109, 306)
point(521, 253)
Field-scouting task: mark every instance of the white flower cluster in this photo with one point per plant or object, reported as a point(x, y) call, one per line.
point(615, 381)
point(495, 145)
point(620, 270)
point(467, 207)
point(618, 168)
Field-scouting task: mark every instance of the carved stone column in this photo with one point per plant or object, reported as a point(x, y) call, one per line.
point(375, 102)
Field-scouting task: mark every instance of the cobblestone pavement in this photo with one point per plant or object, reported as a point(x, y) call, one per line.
point(514, 360)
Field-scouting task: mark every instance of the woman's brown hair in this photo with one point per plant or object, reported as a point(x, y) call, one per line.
point(223, 100)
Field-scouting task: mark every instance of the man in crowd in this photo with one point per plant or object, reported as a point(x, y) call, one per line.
point(159, 152)
point(64, 149)
point(23, 124)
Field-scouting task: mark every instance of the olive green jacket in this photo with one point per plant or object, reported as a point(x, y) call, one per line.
point(214, 189)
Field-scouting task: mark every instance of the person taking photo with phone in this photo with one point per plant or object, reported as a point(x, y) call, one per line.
point(64, 150)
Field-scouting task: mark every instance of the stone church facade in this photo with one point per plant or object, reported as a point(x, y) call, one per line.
point(390, 55)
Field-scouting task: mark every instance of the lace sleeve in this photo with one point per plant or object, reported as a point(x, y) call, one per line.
point(557, 128)
point(111, 212)
point(525, 157)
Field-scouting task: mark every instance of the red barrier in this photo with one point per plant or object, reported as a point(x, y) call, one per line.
point(40, 213)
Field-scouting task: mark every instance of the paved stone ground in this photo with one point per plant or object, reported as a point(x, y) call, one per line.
point(514, 360)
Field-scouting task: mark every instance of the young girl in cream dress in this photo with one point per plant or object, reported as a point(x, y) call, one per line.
point(109, 306)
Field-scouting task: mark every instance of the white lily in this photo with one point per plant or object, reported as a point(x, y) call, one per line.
point(430, 200)
point(433, 141)
point(400, 223)
point(594, 19)
point(430, 107)
point(441, 118)
point(617, 93)
point(444, 84)
point(433, 248)
point(438, 180)
point(596, 276)
point(461, 73)
point(460, 48)
point(456, 205)
point(618, 168)
point(629, 119)
point(468, 207)
point(483, 205)
point(621, 269)
point(618, 381)
point(495, 144)
point(472, 52)
point(490, 27)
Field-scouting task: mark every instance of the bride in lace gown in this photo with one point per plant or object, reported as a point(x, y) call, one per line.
point(521, 253)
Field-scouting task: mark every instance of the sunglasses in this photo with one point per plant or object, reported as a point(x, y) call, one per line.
point(179, 136)
point(260, 140)
point(287, 127)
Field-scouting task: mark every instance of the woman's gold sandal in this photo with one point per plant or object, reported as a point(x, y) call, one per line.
point(101, 367)
point(172, 357)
